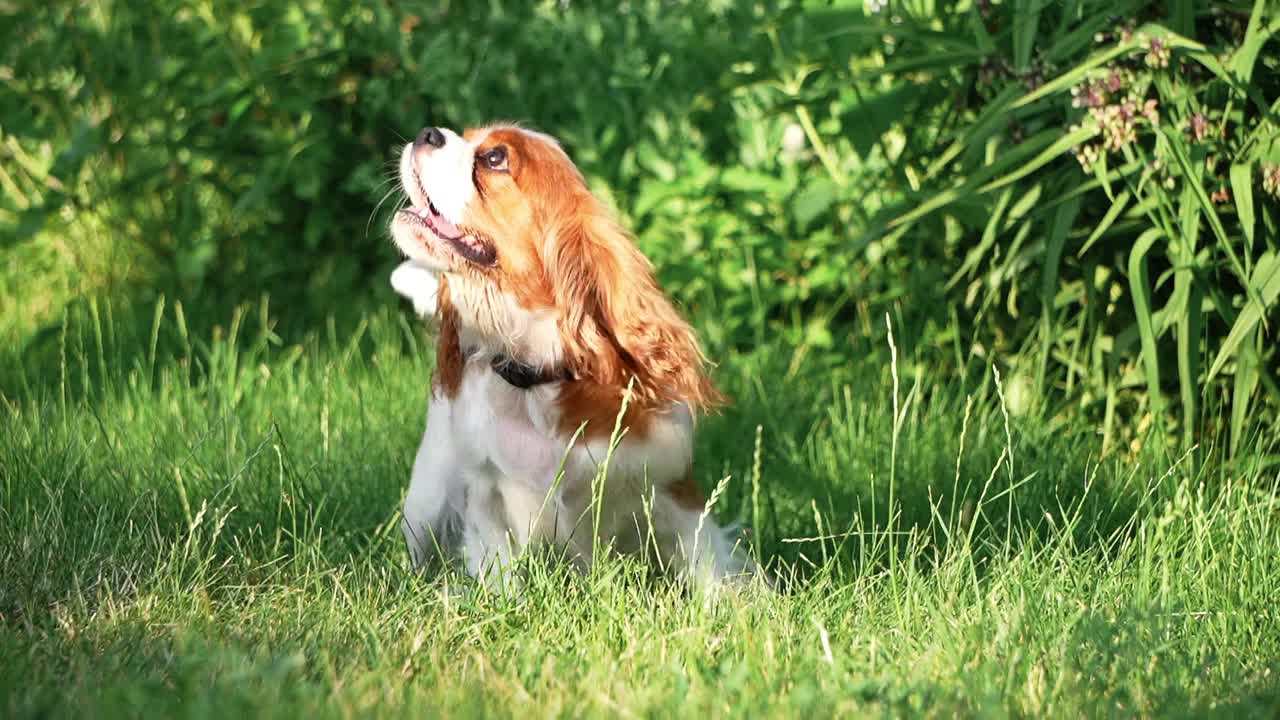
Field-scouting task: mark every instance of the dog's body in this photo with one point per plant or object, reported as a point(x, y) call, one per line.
point(557, 355)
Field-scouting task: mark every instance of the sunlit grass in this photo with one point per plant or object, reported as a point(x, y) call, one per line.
point(213, 530)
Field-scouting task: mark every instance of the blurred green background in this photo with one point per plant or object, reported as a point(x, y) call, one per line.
point(1082, 193)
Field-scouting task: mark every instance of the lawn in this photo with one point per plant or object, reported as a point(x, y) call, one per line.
point(208, 526)
point(1050, 488)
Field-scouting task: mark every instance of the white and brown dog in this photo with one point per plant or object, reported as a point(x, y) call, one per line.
point(553, 338)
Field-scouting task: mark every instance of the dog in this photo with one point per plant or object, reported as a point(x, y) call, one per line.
point(561, 410)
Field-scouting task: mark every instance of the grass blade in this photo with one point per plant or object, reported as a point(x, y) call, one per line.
point(1064, 143)
point(1026, 17)
point(1242, 191)
point(1243, 386)
point(1254, 38)
point(1139, 286)
point(1063, 219)
point(1188, 338)
point(1183, 16)
point(1176, 143)
point(989, 235)
point(1265, 282)
point(971, 187)
point(1081, 71)
point(1113, 212)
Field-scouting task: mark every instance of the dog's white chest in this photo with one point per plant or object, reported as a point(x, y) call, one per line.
point(511, 429)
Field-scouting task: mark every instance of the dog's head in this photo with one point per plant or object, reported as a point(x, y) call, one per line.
point(537, 268)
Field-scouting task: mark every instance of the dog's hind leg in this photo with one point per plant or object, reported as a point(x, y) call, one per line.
point(694, 546)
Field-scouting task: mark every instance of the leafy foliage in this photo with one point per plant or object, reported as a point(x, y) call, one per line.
point(1146, 270)
point(794, 169)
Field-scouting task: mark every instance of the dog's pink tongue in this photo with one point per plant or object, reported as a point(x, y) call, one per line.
point(443, 226)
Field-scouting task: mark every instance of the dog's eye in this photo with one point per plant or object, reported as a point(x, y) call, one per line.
point(495, 158)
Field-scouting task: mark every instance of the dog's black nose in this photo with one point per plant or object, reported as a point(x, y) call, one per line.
point(430, 136)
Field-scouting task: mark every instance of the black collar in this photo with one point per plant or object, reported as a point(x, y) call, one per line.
point(520, 375)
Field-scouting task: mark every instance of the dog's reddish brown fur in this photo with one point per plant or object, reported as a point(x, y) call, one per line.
point(559, 248)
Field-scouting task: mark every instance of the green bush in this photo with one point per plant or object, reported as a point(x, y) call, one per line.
point(241, 147)
point(1147, 269)
point(991, 174)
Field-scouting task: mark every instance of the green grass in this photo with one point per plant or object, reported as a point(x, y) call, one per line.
point(208, 526)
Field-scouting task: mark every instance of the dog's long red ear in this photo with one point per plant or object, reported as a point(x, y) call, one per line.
point(616, 324)
point(449, 361)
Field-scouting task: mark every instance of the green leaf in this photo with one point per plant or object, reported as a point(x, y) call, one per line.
point(1104, 179)
point(1065, 143)
point(750, 181)
point(1242, 191)
point(1183, 16)
point(1188, 338)
point(868, 119)
point(1189, 210)
point(1070, 44)
point(1063, 219)
point(1026, 17)
point(1265, 283)
point(1243, 386)
point(1113, 212)
point(941, 61)
point(993, 116)
point(1175, 144)
point(1029, 201)
point(1138, 285)
point(814, 200)
point(971, 186)
point(989, 234)
point(1254, 38)
point(1098, 59)
point(978, 26)
point(239, 106)
point(1213, 65)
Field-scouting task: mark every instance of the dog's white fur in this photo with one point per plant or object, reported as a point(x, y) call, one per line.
point(485, 478)
point(494, 474)
point(441, 174)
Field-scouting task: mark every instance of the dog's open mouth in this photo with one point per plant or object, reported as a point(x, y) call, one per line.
point(465, 244)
